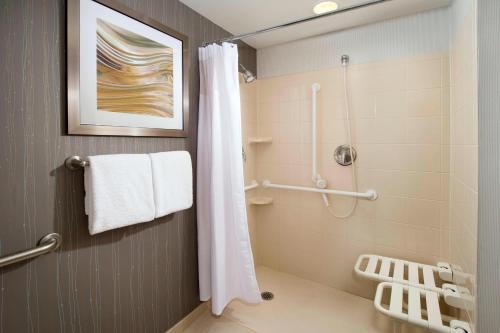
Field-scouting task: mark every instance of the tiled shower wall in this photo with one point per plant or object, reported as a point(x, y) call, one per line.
point(400, 118)
point(464, 142)
point(415, 123)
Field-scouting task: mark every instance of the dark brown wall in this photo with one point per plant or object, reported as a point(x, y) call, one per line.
point(137, 279)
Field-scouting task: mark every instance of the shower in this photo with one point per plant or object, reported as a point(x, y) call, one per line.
point(248, 76)
point(344, 155)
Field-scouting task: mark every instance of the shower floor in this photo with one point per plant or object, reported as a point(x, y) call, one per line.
point(298, 306)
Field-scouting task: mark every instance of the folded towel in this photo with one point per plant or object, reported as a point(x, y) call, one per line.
point(118, 191)
point(172, 181)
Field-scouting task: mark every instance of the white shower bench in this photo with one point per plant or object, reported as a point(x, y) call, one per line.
point(414, 291)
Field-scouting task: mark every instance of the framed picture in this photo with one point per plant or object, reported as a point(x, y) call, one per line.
point(127, 74)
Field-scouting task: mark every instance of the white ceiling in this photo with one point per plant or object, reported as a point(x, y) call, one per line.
point(242, 16)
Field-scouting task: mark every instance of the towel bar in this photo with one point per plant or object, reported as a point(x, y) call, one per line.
point(75, 162)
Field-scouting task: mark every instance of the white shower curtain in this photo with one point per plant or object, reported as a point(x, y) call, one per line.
point(226, 267)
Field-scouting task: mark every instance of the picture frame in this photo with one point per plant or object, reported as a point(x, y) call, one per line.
point(127, 74)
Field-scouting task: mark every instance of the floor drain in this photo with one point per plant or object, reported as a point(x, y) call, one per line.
point(267, 295)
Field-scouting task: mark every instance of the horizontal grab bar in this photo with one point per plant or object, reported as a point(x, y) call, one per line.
point(253, 184)
point(46, 244)
point(369, 195)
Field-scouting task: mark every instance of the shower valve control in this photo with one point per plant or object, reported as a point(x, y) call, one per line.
point(342, 155)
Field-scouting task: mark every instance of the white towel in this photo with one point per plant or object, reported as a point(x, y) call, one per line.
point(118, 191)
point(172, 181)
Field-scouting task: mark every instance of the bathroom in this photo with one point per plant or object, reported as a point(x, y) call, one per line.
point(304, 166)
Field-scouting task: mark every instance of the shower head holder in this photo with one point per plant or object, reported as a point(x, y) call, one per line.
point(344, 60)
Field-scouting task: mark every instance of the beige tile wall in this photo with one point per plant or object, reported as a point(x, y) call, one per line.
point(464, 149)
point(248, 99)
point(400, 111)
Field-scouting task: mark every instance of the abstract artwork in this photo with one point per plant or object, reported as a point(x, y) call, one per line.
point(130, 76)
point(134, 73)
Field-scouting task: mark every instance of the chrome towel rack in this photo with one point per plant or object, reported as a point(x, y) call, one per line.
point(46, 244)
point(76, 162)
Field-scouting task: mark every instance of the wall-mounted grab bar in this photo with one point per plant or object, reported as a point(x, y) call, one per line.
point(369, 195)
point(253, 184)
point(315, 177)
point(46, 244)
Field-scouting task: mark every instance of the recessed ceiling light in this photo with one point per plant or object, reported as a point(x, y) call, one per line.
point(325, 7)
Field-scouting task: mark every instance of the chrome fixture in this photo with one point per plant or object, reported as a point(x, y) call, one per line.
point(307, 19)
point(46, 244)
point(247, 75)
point(344, 60)
point(342, 155)
point(75, 162)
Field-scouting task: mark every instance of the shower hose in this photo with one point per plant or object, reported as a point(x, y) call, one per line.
point(349, 138)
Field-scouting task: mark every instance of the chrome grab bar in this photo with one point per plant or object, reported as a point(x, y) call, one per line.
point(46, 244)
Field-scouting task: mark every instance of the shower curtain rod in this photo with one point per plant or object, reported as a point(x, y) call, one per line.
point(288, 24)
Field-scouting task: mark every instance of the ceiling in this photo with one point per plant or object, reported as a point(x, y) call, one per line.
point(242, 16)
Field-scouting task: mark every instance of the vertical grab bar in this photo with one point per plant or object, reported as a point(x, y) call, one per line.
point(315, 88)
point(317, 180)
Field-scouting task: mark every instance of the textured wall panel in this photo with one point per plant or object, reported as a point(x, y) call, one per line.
point(421, 33)
point(142, 278)
point(489, 163)
point(463, 149)
point(459, 10)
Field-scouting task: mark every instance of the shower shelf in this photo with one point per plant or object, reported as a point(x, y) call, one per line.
point(261, 139)
point(405, 305)
point(260, 201)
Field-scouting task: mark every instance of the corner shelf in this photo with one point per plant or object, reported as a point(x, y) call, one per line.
point(260, 139)
point(260, 201)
